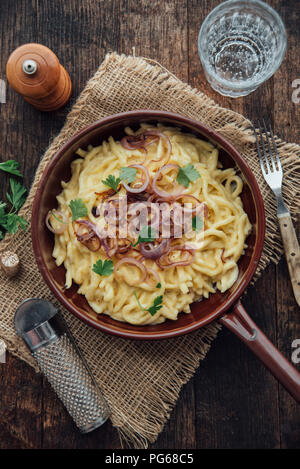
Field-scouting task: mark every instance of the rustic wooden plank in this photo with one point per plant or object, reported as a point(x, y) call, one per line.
point(157, 30)
point(80, 33)
point(236, 398)
point(20, 396)
point(19, 138)
point(287, 123)
point(20, 405)
point(180, 431)
point(286, 112)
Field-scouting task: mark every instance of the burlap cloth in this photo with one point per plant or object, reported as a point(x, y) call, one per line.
point(141, 380)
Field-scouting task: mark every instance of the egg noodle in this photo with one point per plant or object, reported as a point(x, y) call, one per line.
point(182, 273)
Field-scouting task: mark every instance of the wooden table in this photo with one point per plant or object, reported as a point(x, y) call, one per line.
point(232, 401)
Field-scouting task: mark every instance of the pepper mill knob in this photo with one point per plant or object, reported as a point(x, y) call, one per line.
point(34, 71)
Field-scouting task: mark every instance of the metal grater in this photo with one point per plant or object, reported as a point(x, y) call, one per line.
point(47, 335)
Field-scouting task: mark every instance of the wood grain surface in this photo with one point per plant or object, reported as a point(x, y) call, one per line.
point(232, 401)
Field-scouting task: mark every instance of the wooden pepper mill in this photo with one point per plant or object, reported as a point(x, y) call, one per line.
point(34, 71)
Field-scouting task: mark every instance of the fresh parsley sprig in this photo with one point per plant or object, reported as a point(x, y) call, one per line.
point(127, 174)
point(112, 181)
point(18, 194)
point(103, 268)
point(147, 235)
point(187, 174)
point(11, 167)
point(78, 209)
point(197, 223)
point(11, 221)
point(156, 305)
point(14, 221)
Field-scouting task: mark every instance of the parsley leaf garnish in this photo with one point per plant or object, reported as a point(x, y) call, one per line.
point(128, 174)
point(78, 209)
point(156, 305)
point(158, 285)
point(147, 235)
point(11, 221)
point(2, 209)
point(14, 221)
point(197, 223)
point(103, 268)
point(11, 167)
point(112, 181)
point(17, 195)
point(187, 174)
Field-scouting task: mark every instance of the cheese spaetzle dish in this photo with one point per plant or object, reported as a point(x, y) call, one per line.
point(149, 224)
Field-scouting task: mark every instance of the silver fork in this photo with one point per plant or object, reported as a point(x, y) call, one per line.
point(272, 172)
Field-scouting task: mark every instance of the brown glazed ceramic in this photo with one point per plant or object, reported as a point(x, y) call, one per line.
point(202, 312)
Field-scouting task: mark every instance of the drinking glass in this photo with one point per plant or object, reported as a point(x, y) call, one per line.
point(241, 44)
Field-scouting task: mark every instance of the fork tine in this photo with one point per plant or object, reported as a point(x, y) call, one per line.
point(275, 150)
point(269, 146)
point(258, 151)
point(264, 151)
point(257, 142)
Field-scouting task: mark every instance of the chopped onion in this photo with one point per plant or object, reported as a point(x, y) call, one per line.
point(150, 251)
point(135, 262)
point(105, 194)
point(170, 263)
point(84, 224)
point(140, 197)
point(90, 239)
point(155, 275)
point(93, 244)
point(152, 198)
point(133, 142)
point(160, 192)
point(166, 139)
point(137, 142)
point(82, 234)
point(110, 246)
point(63, 221)
point(194, 199)
point(145, 183)
point(122, 248)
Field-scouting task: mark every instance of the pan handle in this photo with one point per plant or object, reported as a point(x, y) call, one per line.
point(242, 325)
